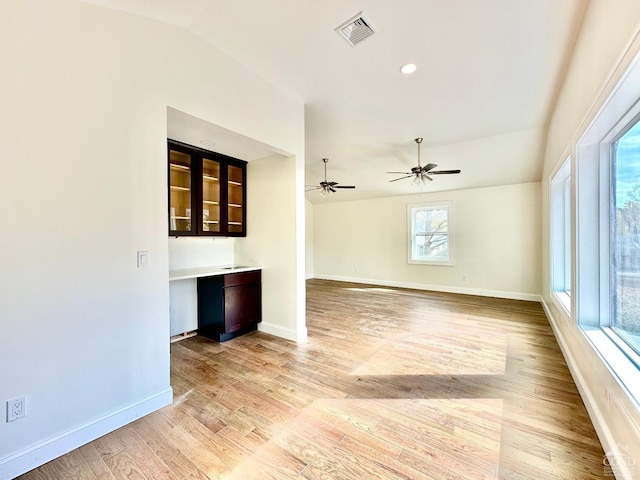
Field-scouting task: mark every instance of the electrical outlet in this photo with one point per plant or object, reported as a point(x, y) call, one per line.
point(16, 408)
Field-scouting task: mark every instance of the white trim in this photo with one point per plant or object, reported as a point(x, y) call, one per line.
point(532, 297)
point(32, 457)
point(283, 332)
point(598, 418)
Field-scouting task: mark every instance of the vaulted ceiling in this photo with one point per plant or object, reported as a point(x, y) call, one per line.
point(487, 75)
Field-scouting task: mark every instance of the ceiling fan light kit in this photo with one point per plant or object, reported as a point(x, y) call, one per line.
point(421, 174)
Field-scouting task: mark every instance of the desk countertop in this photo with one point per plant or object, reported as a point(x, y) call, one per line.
point(186, 273)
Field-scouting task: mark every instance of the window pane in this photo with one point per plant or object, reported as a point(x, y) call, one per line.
point(431, 246)
point(625, 241)
point(431, 220)
point(567, 235)
point(560, 216)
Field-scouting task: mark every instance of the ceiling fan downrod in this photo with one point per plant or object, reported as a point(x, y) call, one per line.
point(419, 141)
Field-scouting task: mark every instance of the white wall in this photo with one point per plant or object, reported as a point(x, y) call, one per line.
point(83, 332)
point(497, 242)
point(191, 252)
point(270, 242)
point(606, 30)
point(308, 239)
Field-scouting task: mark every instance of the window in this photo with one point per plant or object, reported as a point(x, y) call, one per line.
point(624, 262)
point(430, 232)
point(607, 247)
point(561, 234)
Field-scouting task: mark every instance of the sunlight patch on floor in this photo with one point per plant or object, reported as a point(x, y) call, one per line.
point(346, 438)
point(439, 353)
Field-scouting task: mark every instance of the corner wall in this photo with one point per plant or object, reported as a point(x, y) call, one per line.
point(270, 243)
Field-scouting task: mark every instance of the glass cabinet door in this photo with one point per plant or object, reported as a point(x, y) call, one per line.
point(180, 208)
point(235, 195)
point(210, 195)
point(207, 195)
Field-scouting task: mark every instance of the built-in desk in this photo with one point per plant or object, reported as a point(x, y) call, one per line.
point(219, 302)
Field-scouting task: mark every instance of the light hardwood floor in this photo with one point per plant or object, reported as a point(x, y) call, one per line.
point(391, 384)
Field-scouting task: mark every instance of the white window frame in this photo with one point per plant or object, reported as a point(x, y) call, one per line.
point(561, 234)
point(412, 208)
point(593, 235)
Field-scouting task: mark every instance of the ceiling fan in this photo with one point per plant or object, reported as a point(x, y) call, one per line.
point(327, 188)
point(421, 173)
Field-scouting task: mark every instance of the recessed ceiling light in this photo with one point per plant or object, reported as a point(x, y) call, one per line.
point(408, 68)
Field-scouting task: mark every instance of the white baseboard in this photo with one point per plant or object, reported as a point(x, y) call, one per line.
point(45, 451)
point(596, 415)
point(282, 332)
point(435, 288)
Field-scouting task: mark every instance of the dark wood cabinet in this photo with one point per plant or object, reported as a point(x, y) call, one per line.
point(229, 305)
point(207, 192)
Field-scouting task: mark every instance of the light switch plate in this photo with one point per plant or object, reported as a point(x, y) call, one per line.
point(143, 258)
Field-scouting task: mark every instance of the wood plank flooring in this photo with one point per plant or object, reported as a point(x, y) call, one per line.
point(390, 384)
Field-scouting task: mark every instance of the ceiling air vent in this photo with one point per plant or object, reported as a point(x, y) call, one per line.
point(356, 29)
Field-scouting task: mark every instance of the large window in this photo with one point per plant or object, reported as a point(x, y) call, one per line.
point(430, 233)
point(561, 234)
point(624, 262)
point(607, 176)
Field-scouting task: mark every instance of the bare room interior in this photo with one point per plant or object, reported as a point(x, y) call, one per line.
point(340, 240)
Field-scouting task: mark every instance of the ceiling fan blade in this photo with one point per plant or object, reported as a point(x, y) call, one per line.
point(400, 173)
point(332, 189)
point(312, 189)
point(429, 166)
point(344, 186)
point(396, 179)
point(443, 172)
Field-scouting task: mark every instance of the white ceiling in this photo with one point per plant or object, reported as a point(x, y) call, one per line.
point(488, 72)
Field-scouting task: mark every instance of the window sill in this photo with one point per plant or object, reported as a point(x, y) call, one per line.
point(441, 263)
point(623, 368)
point(562, 300)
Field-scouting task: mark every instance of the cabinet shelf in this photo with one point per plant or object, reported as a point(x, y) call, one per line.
point(211, 202)
point(180, 189)
point(237, 205)
point(234, 183)
point(177, 166)
point(210, 221)
point(181, 218)
point(210, 178)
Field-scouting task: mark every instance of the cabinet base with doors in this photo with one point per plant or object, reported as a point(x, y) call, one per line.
point(229, 305)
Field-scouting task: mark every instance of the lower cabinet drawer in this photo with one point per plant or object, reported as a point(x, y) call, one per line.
point(231, 279)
